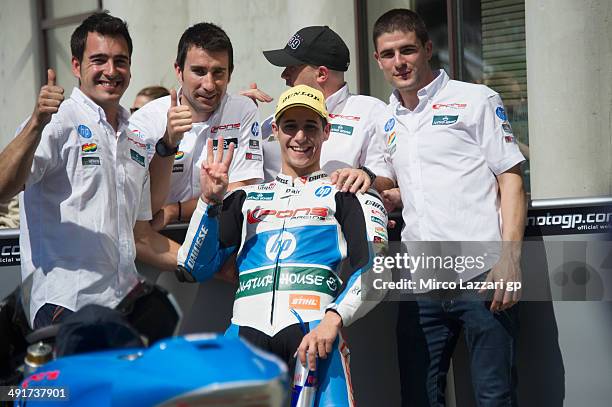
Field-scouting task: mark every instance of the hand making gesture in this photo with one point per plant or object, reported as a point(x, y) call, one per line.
point(179, 121)
point(49, 100)
point(214, 177)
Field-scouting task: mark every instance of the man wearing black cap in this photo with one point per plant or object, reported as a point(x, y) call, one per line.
point(316, 56)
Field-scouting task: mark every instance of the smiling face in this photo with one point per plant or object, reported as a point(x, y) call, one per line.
point(404, 60)
point(204, 79)
point(104, 72)
point(301, 134)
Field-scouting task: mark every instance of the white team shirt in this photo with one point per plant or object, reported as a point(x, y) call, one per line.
point(353, 140)
point(87, 187)
point(446, 154)
point(236, 120)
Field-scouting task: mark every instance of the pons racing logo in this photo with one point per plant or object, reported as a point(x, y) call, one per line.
point(231, 126)
point(258, 214)
point(281, 246)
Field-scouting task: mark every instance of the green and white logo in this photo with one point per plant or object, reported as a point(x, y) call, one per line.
point(444, 120)
point(288, 279)
point(342, 129)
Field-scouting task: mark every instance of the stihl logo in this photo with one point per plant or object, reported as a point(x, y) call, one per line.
point(256, 215)
point(233, 126)
point(299, 301)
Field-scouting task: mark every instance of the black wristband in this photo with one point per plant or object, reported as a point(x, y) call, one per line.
point(369, 172)
point(180, 214)
point(162, 149)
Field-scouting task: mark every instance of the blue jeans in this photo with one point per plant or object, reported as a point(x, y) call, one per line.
point(427, 333)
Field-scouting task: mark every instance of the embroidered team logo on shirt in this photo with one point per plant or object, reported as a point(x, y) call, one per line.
point(391, 142)
point(84, 131)
point(390, 124)
point(444, 120)
point(342, 129)
point(89, 147)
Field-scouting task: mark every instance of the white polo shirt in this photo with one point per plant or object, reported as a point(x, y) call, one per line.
point(446, 154)
point(236, 120)
point(87, 187)
point(353, 140)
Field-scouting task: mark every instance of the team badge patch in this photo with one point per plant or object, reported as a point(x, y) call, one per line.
point(444, 120)
point(390, 124)
point(89, 147)
point(137, 157)
point(84, 131)
point(255, 129)
point(501, 113)
point(90, 161)
point(342, 129)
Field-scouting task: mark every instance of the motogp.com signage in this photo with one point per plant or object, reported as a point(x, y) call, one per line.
point(569, 221)
point(9, 252)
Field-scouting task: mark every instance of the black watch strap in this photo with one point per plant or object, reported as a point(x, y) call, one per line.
point(370, 173)
point(162, 149)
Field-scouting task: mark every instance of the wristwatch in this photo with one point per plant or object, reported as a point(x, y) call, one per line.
point(162, 149)
point(370, 173)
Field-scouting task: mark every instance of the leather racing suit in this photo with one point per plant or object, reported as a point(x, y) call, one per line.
point(301, 244)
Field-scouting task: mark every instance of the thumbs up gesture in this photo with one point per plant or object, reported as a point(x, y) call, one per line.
point(179, 121)
point(49, 100)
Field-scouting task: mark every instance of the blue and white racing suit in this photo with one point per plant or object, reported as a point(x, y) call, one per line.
point(301, 244)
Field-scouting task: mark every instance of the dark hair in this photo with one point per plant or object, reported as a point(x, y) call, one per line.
point(207, 36)
point(153, 92)
point(400, 19)
point(102, 23)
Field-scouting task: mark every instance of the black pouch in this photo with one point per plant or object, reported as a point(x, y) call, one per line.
point(151, 311)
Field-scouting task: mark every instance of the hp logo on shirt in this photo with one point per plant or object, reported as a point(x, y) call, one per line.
point(255, 129)
point(323, 191)
point(390, 124)
point(282, 245)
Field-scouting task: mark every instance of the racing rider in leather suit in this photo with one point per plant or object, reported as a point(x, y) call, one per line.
point(292, 238)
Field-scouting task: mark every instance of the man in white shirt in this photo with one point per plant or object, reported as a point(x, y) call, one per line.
point(318, 57)
point(180, 124)
point(85, 181)
point(458, 169)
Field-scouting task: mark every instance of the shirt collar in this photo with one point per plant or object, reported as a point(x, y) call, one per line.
point(96, 110)
point(300, 181)
point(337, 98)
point(426, 93)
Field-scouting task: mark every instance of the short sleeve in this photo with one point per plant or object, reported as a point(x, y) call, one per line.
point(248, 157)
point(47, 155)
point(496, 139)
point(373, 150)
point(144, 210)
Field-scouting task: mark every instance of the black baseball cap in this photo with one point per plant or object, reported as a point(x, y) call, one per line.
point(315, 45)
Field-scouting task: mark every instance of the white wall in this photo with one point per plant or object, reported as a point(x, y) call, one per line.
point(18, 72)
point(569, 58)
point(253, 26)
